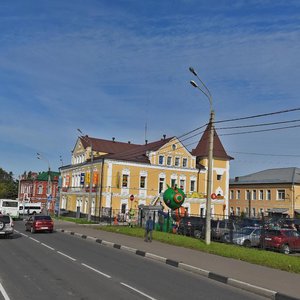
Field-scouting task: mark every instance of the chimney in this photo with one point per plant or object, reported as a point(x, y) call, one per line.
point(236, 179)
point(113, 139)
point(164, 136)
point(146, 142)
point(129, 142)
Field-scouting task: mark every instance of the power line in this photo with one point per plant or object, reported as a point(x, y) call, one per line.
point(257, 125)
point(263, 130)
point(265, 154)
point(260, 115)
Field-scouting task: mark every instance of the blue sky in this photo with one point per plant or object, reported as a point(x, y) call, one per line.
point(110, 67)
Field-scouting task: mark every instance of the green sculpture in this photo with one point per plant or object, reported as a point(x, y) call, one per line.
point(173, 197)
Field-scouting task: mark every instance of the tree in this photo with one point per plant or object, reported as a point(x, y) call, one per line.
point(8, 186)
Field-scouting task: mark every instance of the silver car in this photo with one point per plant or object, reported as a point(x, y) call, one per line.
point(247, 236)
point(6, 225)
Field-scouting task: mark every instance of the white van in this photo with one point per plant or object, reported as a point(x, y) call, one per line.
point(9, 207)
point(30, 208)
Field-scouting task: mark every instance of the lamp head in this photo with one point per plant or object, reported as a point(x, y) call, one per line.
point(193, 83)
point(193, 71)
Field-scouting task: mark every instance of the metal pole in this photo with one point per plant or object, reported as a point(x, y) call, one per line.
point(209, 179)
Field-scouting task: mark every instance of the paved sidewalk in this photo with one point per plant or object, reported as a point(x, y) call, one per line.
point(284, 285)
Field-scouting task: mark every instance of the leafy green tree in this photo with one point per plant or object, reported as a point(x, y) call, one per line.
point(8, 186)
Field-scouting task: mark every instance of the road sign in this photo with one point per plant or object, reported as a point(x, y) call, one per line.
point(131, 197)
point(213, 196)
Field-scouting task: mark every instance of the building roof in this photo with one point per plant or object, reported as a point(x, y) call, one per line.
point(44, 176)
point(279, 175)
point(202, 148)
point(106, 146)
point(140, 152)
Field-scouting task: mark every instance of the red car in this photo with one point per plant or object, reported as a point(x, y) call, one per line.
point(39, 223)
point(284, 240)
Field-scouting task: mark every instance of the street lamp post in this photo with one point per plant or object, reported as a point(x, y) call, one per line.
point(207, 93)
point(40, 156)
point(91, 174)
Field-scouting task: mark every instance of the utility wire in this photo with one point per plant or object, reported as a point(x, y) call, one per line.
point(263, 130)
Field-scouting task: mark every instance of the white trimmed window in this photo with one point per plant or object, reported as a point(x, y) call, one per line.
point(254, 195)
point(184, 162)
point(177, 161)
point(169, 160)
point(231, 194)
point(161, 160)
point(268, 195)
point(238, 194)
point(261, 195)
point(280, 194)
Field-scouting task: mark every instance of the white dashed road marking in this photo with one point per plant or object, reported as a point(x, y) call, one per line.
point(134, 289)
point(95, 270)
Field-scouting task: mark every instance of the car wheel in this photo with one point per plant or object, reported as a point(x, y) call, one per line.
point(247, 244)
point(2, 225)
point(286, 249)
point(197, 234)
point(32, 230)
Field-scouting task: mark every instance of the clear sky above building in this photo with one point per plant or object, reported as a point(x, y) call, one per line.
point(120, 69)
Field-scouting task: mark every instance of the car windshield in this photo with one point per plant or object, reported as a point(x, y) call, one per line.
point(246, 231)
point(42, 218)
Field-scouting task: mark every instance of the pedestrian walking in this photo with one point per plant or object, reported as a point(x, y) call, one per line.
point(148, 230)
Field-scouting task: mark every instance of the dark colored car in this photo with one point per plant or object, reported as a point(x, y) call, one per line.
point(191, 226)
point(284, 240)
point(39, 223)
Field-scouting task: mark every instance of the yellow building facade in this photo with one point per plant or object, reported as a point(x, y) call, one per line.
point(126, 175)
point(268, 192)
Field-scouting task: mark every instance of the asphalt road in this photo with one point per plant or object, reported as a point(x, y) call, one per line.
point(58, 266)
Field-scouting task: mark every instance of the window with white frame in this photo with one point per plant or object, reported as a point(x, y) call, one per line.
point(253, 212)
point(177, 161)
point(182, 184)
point(231, 194)
point(238, 211)
point(261, 195)
point(248, 195)
point(143, 182)
point(254, 195)
point(184, 162)
point(238, 194)
point(125, 180)
point(40, 189)
point(193, 184)
point(268, 195)
point(169, 160)
point(280, 194)
point(161, 160)
point(161, 184)
point(173, 182)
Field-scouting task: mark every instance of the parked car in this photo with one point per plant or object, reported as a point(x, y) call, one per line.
point(39, 223)
point(250, 222)
point(222, 227)
point(284, 240)
point(6, 225)
point(191, 226)
point(61, 212)
point(246, 236)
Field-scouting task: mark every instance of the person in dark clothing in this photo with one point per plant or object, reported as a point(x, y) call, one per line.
point(148, 230)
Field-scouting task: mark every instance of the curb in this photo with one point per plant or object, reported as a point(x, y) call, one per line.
point(211, 275)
